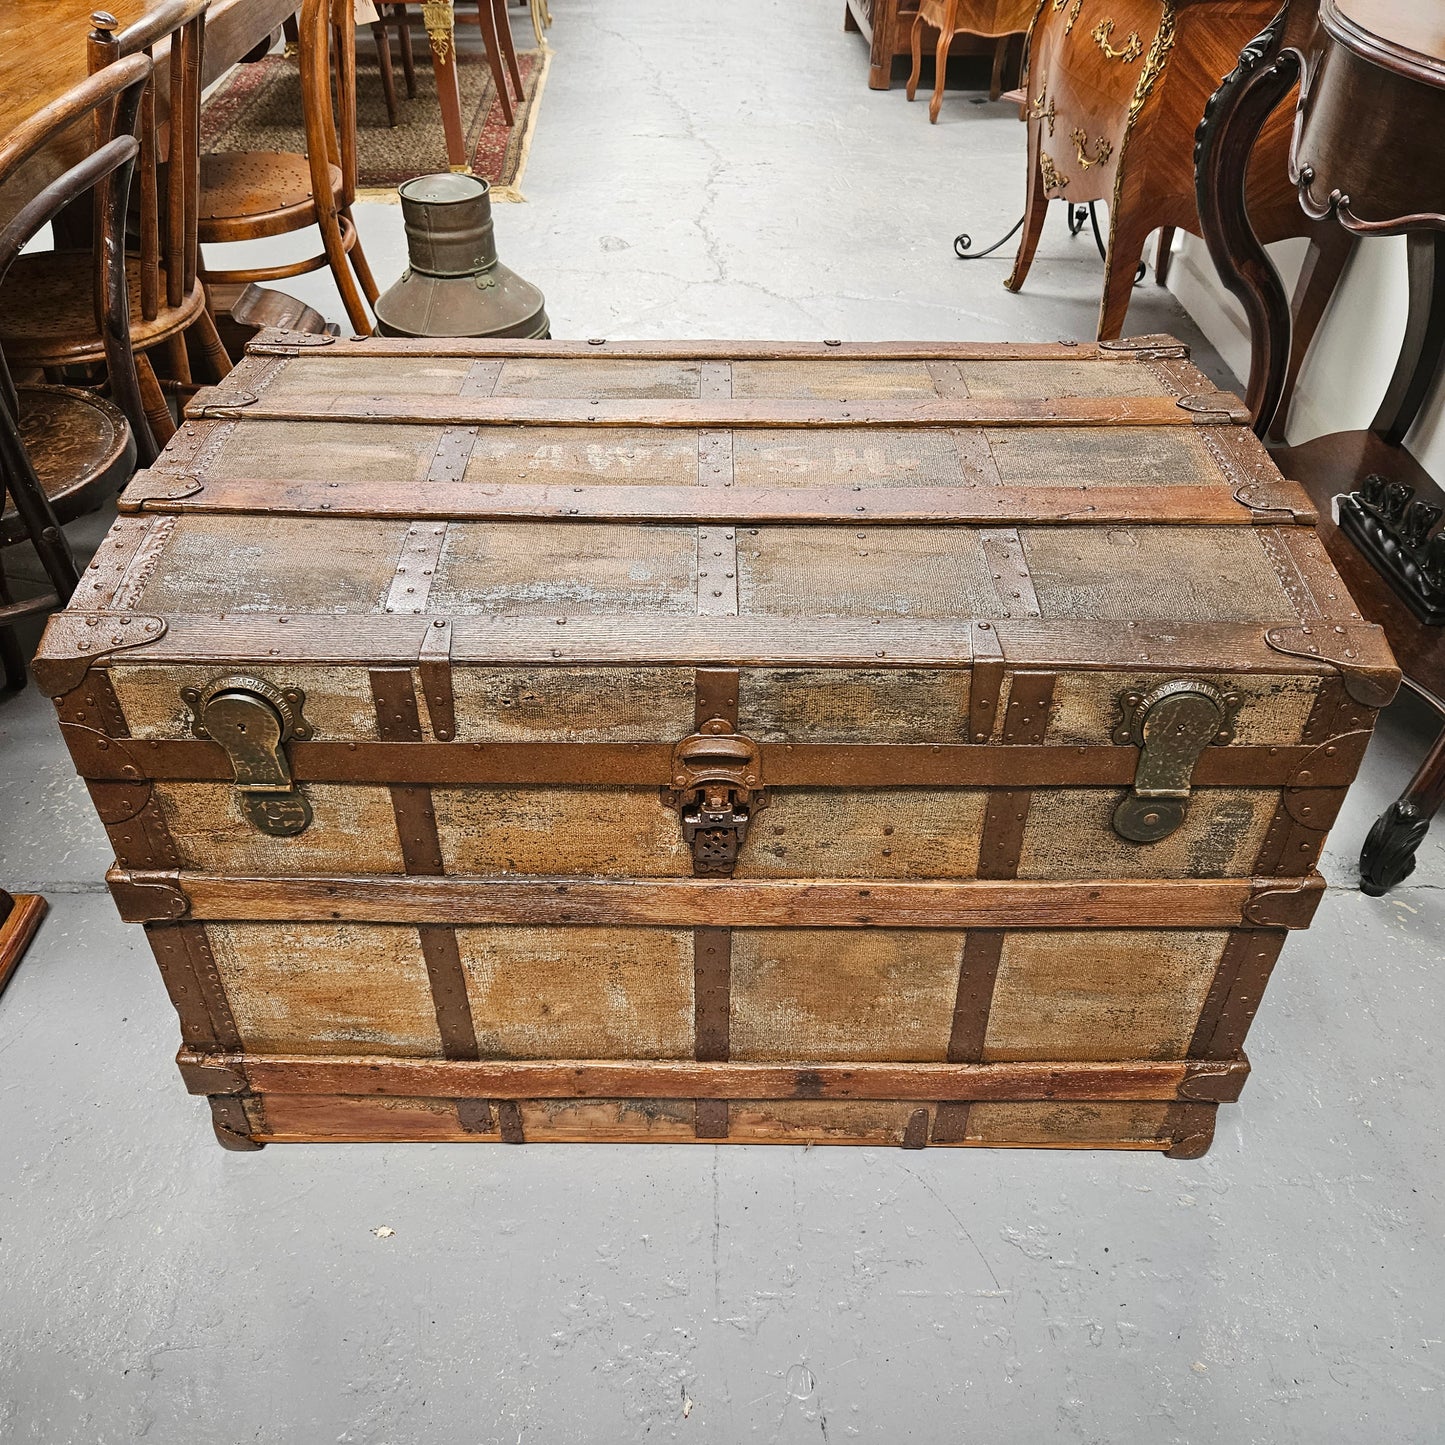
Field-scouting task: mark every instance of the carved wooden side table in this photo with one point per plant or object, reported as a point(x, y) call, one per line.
point(1115, 90)
point(996, 20)
point(887, 26)
point(1385, 60)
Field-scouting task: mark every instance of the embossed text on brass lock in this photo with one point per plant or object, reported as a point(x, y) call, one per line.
point(1171, 726)
point(717, 788)
point(253, 720)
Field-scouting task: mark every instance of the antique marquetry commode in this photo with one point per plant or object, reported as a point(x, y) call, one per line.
point(911, 743)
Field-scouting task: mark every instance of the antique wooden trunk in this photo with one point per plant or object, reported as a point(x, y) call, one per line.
point(910, 744)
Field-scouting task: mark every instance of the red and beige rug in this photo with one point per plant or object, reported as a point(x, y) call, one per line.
point(258, 107)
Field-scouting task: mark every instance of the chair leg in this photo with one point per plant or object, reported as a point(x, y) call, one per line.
point(408, 58)
point(383, 60)
point(212, 348)
point(916, 39)
point(12, 659)
point(178, 364)
point(487, 21)
point(153, 399)
point(362, 266)
point(538, 27)
point(940, 74)
point(1164, 255)
point(509, 46)
point(330, 227)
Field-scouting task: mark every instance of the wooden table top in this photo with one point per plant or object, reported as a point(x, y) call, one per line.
point(42, 55)
point(1408, 35)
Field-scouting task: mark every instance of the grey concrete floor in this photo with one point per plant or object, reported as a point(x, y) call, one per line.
point(723, 171)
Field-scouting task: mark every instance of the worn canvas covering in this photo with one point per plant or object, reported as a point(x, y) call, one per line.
point(739, 741)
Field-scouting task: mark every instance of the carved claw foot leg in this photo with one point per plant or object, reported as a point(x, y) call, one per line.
point(1388, 856)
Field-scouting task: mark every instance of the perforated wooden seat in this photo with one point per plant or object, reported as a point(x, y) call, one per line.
point(80, 446)
point(245, 195)
point(47, 316)
point(248, 194)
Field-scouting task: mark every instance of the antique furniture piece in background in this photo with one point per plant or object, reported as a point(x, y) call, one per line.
point(453, 284)
point(1115, 90)
point(249, 194)
point(438, 17)
point(63, 450)
point(1385, 60)
point(20, 915)
point(47, 312)
point(887, 26)
point(389, 17)
point(893, 743)
point(998, 20)
point(43, 55)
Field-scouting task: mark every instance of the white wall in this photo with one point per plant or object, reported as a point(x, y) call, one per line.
point(1354, 351)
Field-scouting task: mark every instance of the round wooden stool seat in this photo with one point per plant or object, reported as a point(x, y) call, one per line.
point(47, 310)
point(80, 446)
point(246, 194)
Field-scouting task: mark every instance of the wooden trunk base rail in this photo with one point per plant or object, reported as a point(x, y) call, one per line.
point(1267, 903)
point(784, 765)
point(1193, 1080)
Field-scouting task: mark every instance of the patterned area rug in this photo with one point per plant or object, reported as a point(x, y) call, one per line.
point(258, 108)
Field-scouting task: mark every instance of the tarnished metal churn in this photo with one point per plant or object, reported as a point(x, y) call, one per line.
point(455, 286)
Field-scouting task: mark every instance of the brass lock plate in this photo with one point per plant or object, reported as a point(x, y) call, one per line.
point(253, 720)
point(717, 789)
point(1170, 726)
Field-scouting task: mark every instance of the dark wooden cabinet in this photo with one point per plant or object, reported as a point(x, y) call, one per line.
point(1366, 159)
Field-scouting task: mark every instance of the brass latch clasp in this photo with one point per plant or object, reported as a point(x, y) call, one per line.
point(1170, 726)
point(717, 789)
point(253, 720)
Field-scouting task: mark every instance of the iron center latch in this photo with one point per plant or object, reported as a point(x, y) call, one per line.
point(1170, 726)
point(717, 789)
point(253, 720)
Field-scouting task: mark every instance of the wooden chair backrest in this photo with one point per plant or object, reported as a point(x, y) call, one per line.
point(326, 50)
point(168, 192)
point(116, 97)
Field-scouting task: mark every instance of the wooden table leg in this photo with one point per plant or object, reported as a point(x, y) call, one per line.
point(20, 916)
point(440, 31)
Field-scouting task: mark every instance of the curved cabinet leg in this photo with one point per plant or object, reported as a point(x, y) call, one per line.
point(1036, 208)
point(940, 74)
point(1127, 238)
point(917, 42)
point(1388, 856)
point(1424, 341)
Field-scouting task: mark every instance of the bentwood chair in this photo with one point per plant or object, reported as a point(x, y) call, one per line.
point(63, 450)
point(246, 195)
point(46, 318)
